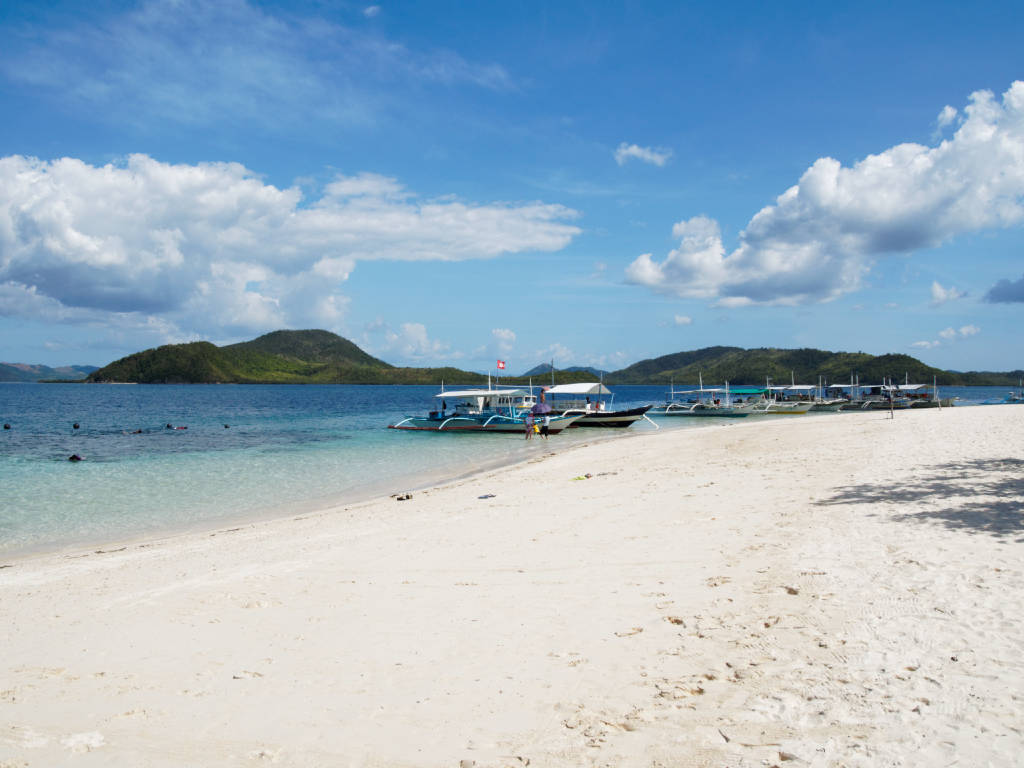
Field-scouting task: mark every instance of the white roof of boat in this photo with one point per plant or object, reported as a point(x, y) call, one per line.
point(851, 386)
point(482, 393)
point(583, 388)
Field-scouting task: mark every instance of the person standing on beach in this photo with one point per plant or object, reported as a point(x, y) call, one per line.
point(529, 424)
point(543, 410)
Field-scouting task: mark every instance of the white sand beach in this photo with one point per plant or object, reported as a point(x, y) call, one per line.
point(829, 590)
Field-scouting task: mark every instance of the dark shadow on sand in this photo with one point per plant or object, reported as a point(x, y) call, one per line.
point(946, 492)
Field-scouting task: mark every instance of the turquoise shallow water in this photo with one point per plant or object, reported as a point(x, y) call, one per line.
point(287, 449)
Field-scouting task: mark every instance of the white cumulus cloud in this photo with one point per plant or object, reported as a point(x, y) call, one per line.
point(212, 249)
point(626, 152)
point(941, 295)
point(413, 343)
point(682, 320)
point(947, 335)
point(561, 354)
point(821, 236)
point(946, 116)
point(503, 339)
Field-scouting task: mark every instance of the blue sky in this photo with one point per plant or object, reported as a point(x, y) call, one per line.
point(452, 183)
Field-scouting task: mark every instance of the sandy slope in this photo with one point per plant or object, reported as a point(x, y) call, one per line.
point(837, 590)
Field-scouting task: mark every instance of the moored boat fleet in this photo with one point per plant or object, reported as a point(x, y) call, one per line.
point(520, 409)
point(552, 409)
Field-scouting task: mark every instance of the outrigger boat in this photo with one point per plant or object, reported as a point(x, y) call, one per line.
point(886, 396)
point(770, 405)
point(480, 410)
point(585, 400)
point(788, 399)
point(778, 401)
point(705, 401)
point(1011, 397)
point(694, 405)
point(821, 401)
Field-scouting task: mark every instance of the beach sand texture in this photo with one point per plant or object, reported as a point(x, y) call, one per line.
point(837, 590)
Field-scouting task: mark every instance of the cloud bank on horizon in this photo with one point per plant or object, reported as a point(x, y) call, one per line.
point(821, 237)
point(211, 249)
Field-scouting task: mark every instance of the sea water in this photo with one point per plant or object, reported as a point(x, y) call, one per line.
point(248, 452)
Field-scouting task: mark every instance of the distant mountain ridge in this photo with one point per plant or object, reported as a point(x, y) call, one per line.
point(281, 357)
point(310, 346)
point(736, 365)
point(29, 372)
point(545, 369)
point(322, 357)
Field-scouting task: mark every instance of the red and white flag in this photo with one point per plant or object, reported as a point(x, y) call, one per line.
point(501, 365)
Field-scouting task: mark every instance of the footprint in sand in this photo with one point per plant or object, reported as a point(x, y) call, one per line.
point(84, 742)
point(630, 632)
point(28, 738)
point(264, 754)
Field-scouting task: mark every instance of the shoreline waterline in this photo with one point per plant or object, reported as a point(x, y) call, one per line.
point(415, 482)
point(250, 453)
point(379, 491)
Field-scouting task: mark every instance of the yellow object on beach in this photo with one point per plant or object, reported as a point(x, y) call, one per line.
point(536, 429)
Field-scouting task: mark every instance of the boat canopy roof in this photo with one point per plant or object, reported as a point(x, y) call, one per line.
point(716, 390)
point(582, 388)
point(483, 393)
point(902, 387)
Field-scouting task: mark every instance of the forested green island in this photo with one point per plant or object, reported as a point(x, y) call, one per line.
point(321, 357)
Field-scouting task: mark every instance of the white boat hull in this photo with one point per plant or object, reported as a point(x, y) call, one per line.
point(478, 423)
